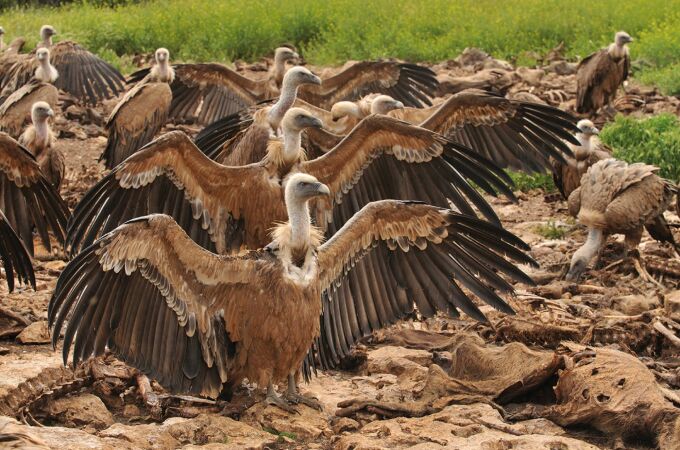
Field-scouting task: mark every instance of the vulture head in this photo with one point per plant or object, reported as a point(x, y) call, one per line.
point(284, 54)
point(40, 112)
point(297, 119)
point(42, 55)
point(344, 109)
point(46, 33)
point(587, 128)
point(298, 76)
point(383, 104)
point(622, 38)
point(302, 187)
point(45, 71)
point(162, 55)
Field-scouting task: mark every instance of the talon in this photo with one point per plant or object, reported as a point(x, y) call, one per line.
point(279, 402)
point(310, 401)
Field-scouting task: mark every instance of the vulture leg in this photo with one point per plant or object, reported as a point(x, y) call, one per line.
point(273, 399)
point(293, 395)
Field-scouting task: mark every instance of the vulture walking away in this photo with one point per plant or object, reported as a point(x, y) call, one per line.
point(567, 176)
point(201, 323)
point(14, 257)
point(599, 75)
point(83, 75)
point(210, 92)
point(40, 141)
point(27, 199)
point(620, 198)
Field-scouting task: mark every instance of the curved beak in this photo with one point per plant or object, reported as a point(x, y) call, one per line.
point(594, 131)
point(323, 190)
point(50, 113)
point(313, 122)
point(398, 105)
point(313, 79)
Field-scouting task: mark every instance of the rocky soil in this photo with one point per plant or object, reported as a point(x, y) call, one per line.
point(580, 366)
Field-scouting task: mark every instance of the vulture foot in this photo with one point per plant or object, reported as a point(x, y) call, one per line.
point(297, 398)
point(273, 399)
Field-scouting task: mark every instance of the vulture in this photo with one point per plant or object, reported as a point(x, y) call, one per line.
point(346, 114)
point(211, 92)
point(40, 141)
point(201, 323)
point(207, 92)
point(620, 198)
point(14, 257)
point(567, 176)
point(10, 55)
point(141, 113)
point(27, 199)
point(84, 75)
point(45, 72)
point(514, 134)
point(599, 75)
point(15, 111)
point(233, 206)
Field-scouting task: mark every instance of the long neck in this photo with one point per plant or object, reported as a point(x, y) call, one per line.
point(292, 141)
point(164, 72)
point(285, 101)
point(584, 139)
point(617, 51)
point(47, 41)
point(300, 222)
point(279, 70)
point(592, 245)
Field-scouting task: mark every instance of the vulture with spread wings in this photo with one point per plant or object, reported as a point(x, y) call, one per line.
point(201, 323)
point(27, 199)
point(15, 111)
point(78, 72)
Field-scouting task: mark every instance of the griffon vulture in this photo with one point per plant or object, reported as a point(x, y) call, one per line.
point(234, 206)
point(599, 75)
point(201, 323)
point(9, 56)
point(40, 141)
point(15, 258)
point(620, 198)
point(27, 199)
point(15, 111)
point(84, 75)
point(211, 92)
point(141, 113)
point(568, 176)
point(515, 134)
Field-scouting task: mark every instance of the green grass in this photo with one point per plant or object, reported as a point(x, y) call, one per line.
point(655, 140)
point(529, 182)
point(552, 230)
point(335, 31)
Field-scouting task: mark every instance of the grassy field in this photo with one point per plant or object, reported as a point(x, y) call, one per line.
point(335, 31)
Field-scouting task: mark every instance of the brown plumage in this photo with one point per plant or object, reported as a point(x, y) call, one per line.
point(600, 74)
point(140, 114)
point(15, 111)
point(567, 177)
point(10, 55)
point(27, 199)
point(515, 134)
point(201, 323)
point(14, 257)
point(210, 92)
point(41, 142)
point(619, 198)
point(84, 75)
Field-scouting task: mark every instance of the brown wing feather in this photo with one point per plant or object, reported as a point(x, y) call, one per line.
point(135, 120)
point(83, 74)
point(165, 305)
point(26, 197)
point(210, 92)
point(15, 111)
point(172, 176)
point(598, 77)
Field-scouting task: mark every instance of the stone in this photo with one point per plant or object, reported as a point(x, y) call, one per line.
point(80, 410)
point(343, 424)
point(35, 333)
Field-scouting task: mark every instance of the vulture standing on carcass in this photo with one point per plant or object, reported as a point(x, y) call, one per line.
point(620, 198)
point(201, 323)
point(14, 257)
point(83, 75)
point(567, 177)
point(27, 199)
point(141, 113)
point(40, 141)
point(513, 134)
point(15, 111)
point(211, 92)
point(599, 76)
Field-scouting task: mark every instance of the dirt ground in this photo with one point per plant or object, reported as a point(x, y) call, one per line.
point(580, 366)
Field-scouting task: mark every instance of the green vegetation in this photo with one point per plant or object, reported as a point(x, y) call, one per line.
point(553, 230)
point(655, 140)
point(335, 31)
point(281, 434)
point(528, 182)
